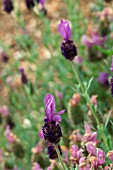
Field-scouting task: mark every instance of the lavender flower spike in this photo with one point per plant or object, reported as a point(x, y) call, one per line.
point(8, 6)
point(50, 104)
point(51, 129)
point(64, 29)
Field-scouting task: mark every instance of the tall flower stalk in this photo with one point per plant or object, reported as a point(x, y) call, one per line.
point(69, 52)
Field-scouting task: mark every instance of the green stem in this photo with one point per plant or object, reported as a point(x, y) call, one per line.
point(59, 157)
point(87, 98)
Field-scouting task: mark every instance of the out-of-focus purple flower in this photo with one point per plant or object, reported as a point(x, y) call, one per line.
point(89, 136)
point(88, 42)
point(87, 128)
point(9, 135)
point(4, 57)
point(83, 165)
point(64, 29)
point(29, 3)
point(111, 85)
point(36, 166)
point(52, 165)
point(15, 168)
point(98, 159)
point(95, 39)
point(38, 149)
point(75, 152)
point(94, 100)
point(91, 148)
point(4, 111)
point(42, 2)
point(112, 65)
point(110, 155)
point(100, 156)
point(59, 94)
point(65, 153)
point(8, 5)
point(78, 60)
point(50, 104)
point(103, 78)
point(24, 79)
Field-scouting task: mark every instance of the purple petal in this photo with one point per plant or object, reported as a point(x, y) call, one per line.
point(42, 2)
point(91, 148)
point(87, 128)
point(40, 133)
point(64, 29)
point(61, 112)
point(50, 106)
point(57, 118)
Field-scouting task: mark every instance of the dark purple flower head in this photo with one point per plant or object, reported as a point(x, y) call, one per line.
point(4, 57)
point(29, 3)
point(69, 50)
point(64, 29)
point(103, 78)
point(50, 104)
point(8, 5)
point(52, 132)
point(111, 84)
point(24, 79)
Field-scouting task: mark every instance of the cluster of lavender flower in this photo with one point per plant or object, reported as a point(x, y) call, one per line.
point(84, 151)
point(8, 4)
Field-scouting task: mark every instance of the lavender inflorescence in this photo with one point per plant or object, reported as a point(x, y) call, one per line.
point(68, 48)
point(8, 6)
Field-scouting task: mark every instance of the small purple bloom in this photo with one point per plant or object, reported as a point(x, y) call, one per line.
point(95, 39)
point(100, 156)
point(112, 65)
point(50, 104)
point(89, 136)
point(75, 152)
point(88, 42)
point(103, 78)
point(78, 60)
point(64, 29)
point(8, 5)
point(90, 146)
